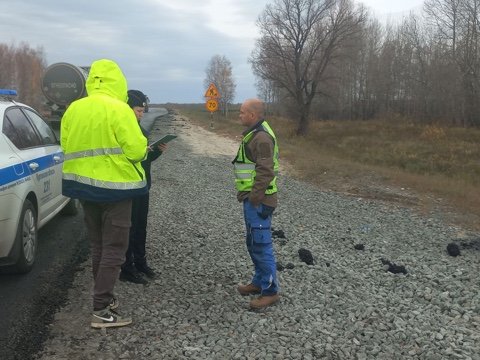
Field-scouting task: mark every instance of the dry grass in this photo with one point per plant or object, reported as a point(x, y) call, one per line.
point(421, 165)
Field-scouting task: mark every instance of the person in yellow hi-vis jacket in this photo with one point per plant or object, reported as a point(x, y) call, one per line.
point(256, 170)
point(104, 147)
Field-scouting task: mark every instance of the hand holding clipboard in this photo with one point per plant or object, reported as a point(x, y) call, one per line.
point(163, 140)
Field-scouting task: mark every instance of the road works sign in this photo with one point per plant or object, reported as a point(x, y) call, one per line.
point(212, 92)
point(212, 95)
point(211, 105)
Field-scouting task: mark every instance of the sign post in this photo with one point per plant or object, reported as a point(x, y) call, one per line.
point(211, 103)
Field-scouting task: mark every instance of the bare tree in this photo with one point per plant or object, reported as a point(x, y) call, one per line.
point(299, 40)
point(269, 93)
point(469, 60)
point(445, 16)
point(219, 72)
point(21, 68)
point(323, 58)
point(352, 78)
point(456, 29)
point(7, 66)
point(369, 76)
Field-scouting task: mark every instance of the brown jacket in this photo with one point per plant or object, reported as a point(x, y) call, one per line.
point(260, 150)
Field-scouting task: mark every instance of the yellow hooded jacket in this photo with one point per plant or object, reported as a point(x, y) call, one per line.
point(102, 141)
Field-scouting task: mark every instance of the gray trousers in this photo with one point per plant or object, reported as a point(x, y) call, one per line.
point(108, 226)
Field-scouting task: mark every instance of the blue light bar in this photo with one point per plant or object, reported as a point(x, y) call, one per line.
point(8, 92)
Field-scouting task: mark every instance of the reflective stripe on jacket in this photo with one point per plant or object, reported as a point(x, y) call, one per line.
point(102, 141)
point(244, 168)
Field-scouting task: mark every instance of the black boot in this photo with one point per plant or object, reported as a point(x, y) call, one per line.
point(147, 270)
point(132, 275)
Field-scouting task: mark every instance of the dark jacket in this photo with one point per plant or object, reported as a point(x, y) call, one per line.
point(151, 156)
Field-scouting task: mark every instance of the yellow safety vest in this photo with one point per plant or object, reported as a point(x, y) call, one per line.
point(244, 168)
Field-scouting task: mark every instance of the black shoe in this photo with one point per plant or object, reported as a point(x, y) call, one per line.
point(132, 276)
point(147, 270)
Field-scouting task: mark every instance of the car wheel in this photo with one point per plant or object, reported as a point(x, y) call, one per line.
point(27, 234)
point(71, 209)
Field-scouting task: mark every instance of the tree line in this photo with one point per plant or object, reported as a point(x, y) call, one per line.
point(21, 69)
point(331, 59)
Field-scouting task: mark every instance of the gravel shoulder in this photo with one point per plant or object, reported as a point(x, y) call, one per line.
point(344, 306)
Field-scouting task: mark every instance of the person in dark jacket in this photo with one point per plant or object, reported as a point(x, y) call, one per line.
point(136, 265)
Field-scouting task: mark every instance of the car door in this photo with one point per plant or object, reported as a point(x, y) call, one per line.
point(38, 160)
point(53, 180)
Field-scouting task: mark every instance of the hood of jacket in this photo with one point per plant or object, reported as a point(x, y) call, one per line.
point(106, 77)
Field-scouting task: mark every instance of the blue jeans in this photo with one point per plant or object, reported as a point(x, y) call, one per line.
point(260, 247)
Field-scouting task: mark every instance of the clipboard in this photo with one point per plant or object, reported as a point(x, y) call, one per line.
point(163, 140)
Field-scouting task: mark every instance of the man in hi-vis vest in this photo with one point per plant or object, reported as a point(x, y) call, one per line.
point(104, 147)
point(256, 170)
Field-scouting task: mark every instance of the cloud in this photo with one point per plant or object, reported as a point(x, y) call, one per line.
point(162, 46)
point(230, 19)
point(389, 7)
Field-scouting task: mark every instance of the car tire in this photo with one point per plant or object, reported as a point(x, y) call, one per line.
point(71, 209)
point(27, 238)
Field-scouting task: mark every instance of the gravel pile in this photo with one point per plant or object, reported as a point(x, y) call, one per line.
point(345, 305)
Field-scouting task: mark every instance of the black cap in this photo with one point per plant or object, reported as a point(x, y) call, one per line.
point(136, 98)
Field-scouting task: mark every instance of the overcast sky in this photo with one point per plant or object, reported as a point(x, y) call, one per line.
point(162, 46)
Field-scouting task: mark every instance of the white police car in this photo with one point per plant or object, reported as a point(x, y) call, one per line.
point(30, 181)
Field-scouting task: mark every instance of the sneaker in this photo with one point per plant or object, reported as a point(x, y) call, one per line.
point(147, 270)
point(249, 289)
point(132, 276)
point(108, 318)
point(264, 301)
point(113, 304)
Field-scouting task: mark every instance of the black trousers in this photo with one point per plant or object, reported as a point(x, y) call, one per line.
point(138, 232)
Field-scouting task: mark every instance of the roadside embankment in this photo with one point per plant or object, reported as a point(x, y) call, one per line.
point(344, 306)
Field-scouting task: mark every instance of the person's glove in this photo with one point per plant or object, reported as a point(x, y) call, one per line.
point(266, 211)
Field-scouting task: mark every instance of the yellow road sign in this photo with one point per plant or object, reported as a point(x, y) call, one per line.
point(212, 92)
point(211, 105)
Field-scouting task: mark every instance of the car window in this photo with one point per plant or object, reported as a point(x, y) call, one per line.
point(22, 133)
point(10, 131)
point(46, 133)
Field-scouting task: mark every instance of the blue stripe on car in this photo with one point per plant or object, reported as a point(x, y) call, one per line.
point(21, 170)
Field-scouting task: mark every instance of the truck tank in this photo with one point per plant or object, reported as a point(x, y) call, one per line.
point(62, 84)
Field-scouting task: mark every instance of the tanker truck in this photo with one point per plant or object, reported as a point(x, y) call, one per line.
point(62, 84)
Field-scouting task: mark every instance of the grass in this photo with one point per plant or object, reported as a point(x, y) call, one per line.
point(439, 164)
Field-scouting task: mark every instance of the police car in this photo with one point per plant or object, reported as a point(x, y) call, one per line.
point(30, 181)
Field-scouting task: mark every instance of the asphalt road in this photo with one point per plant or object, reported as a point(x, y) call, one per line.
point(28, 302)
